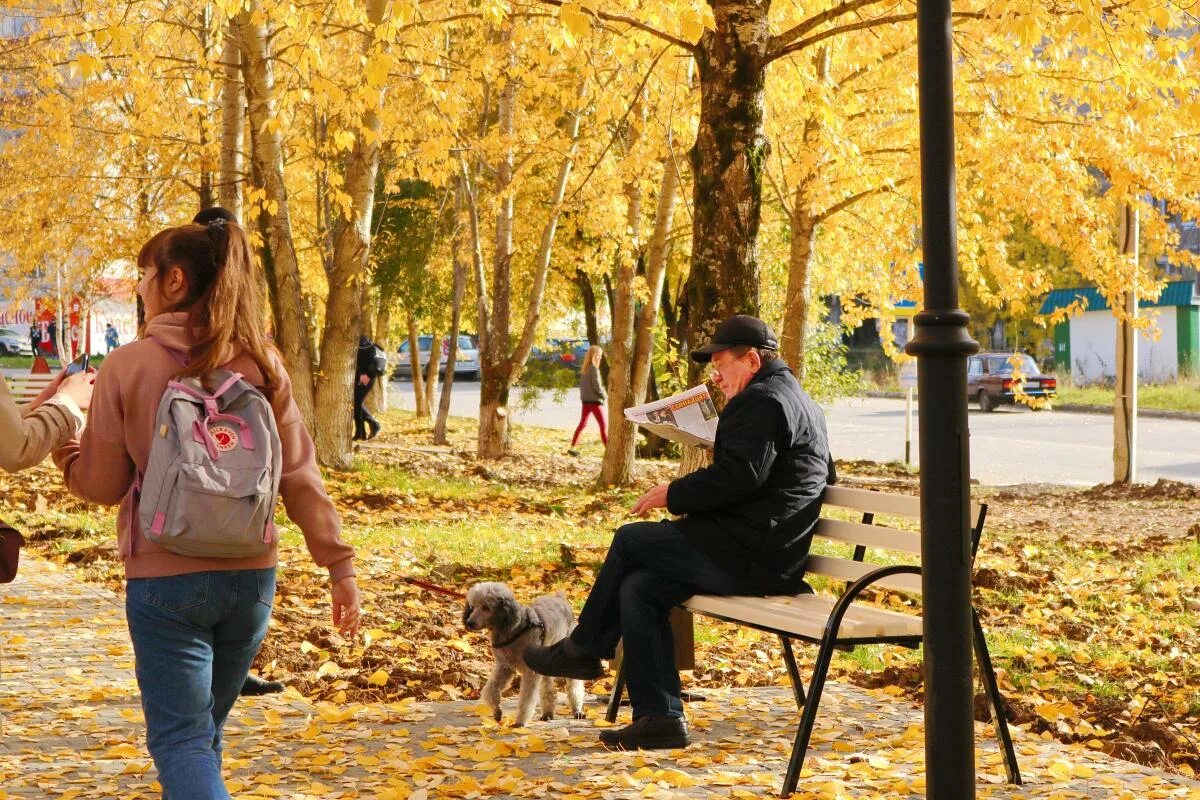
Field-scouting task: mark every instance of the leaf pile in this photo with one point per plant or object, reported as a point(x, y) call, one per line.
point(1089, 597)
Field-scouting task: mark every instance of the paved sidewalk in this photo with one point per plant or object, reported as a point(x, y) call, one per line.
point(72, 729)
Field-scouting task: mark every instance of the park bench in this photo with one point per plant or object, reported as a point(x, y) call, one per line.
point(25, 385)
point(844, 620)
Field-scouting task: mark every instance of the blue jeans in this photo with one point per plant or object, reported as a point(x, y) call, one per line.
point(651, 567)
point(194, 638)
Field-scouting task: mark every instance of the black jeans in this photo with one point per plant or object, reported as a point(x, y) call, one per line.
point(362, 417)
point(651, 567)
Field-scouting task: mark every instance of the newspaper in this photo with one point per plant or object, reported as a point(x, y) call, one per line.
point(688, 417)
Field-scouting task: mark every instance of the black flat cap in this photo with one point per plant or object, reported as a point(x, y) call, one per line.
point(740, 329)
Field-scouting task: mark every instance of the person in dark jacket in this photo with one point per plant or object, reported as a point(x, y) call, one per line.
point(591, 395)
point(745, 529)
point(364, 381)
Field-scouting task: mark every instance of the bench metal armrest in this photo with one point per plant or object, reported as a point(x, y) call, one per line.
point(834, 623)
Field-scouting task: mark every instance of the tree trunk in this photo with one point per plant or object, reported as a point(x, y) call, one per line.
point(795, 310)
point(461, 269)
point(497, 364)
point(351, 249)
point(629, 389)
point(728, 162)
point(421, 408)
point(588, 294)
point(383, 337)
point(505, 367)
point(229, 184)
point(431, 371)
point(804, 221)
point(292, 329)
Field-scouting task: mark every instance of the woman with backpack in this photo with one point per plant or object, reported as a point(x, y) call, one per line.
point(204, 384)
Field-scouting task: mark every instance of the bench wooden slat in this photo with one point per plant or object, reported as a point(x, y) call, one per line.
point(847, 570)
point(878, 536)
point(806, 615)
point(26, 387)
point(896, 505)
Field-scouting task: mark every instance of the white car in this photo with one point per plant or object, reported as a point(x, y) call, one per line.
point(14, 344)
point(466, 361)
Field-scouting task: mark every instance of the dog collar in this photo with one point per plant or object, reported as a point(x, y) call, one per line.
point(531, 622)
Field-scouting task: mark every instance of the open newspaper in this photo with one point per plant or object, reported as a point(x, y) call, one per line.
point(688, 417)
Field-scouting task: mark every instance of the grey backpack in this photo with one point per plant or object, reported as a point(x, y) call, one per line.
point(213, 476)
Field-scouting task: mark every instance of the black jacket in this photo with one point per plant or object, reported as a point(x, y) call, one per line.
point(362, 366)
point(755, 506)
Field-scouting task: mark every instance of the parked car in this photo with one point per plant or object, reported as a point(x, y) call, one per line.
point(566, 352)
point(466, 361)
point(990, 379)
point(14, 344)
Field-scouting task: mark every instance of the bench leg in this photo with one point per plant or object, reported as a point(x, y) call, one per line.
point(996, 701)
point(618, 688)
point(789, 658)
point(800, 746)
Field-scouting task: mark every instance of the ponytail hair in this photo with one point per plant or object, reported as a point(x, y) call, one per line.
point(224, 298)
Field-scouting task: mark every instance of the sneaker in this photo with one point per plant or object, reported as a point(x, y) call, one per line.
point(563, 660)
point(255, 685)
point(573, 452)
point(648, 733)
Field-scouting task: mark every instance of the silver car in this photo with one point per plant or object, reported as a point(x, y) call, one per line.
point(466, 361)
point(14, 344)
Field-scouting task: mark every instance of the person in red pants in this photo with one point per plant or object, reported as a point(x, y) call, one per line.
point(591, 393)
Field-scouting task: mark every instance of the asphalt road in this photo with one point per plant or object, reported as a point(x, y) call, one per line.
point(1007, 446)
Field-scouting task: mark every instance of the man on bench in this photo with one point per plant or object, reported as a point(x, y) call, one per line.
point(743, 529)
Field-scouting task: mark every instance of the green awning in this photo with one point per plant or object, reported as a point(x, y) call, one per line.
point(1176, 293)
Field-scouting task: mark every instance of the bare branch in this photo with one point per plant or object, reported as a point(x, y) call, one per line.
point(634, 23)
point(782, 40)
point(865, 24)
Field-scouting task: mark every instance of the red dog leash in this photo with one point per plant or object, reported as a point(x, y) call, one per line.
point(433, 587)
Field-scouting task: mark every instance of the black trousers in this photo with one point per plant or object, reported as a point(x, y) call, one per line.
point(362, 417)
point(651, 567)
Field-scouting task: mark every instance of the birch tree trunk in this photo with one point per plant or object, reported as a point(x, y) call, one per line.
point(629, 388)
point(421, 408)
point(461, 269)
point(293, 336)
point(343, 307)
point(495, 379)
point(431, 371)
point(229, 182)
point(501, 368)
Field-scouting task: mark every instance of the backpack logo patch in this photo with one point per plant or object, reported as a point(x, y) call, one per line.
point(226, 438)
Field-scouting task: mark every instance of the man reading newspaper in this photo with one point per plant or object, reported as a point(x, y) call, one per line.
point(743, 526)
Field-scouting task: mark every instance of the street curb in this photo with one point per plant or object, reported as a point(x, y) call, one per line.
point(1151, 413)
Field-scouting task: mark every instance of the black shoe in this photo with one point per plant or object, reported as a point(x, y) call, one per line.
point(255, 685)
point(563, 660)
point(375, 428)
point(647, 733)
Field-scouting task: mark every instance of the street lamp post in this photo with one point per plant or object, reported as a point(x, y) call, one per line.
point(942, 344)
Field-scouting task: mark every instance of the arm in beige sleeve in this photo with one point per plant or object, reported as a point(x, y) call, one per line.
point(28, 435)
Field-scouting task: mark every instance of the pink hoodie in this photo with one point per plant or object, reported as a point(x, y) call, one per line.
point(101, 465)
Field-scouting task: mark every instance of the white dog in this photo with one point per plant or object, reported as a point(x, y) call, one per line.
point(514, 627)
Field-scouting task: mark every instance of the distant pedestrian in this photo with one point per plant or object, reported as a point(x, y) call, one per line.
point(52, 337)
point(591, 396)
point(112, 339)
point(35, 337)
point(370, 364)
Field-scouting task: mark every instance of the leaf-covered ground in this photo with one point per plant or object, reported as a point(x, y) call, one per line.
point(1089, 597)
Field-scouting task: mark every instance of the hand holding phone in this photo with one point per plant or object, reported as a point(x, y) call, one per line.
point(80, 364)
